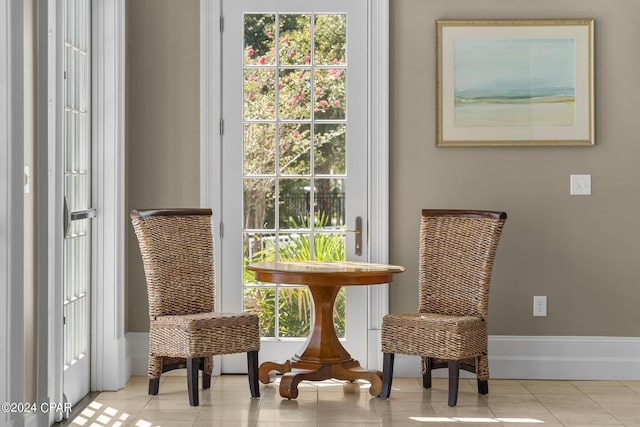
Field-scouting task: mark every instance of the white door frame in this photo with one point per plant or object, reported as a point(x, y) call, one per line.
point(109, 370)
point(378, 123)
point(11, 208)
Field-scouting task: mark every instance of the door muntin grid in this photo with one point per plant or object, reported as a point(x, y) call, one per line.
point(77, 179)
point(294, 157)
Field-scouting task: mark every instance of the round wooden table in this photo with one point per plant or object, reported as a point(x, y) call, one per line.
point(323, 356)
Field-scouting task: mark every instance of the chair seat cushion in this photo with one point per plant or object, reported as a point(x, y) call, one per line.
point(203, 334)
point(434, 335)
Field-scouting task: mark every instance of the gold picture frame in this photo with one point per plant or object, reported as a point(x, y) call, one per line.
point(515, 82)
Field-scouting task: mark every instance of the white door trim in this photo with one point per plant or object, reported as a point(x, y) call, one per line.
point(11, 208)
point(108, 362)
point(378, 122)
point(378, 169)
point(210, 125)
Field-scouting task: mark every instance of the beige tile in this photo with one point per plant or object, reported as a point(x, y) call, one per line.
point(234, 423)
point(137, 383)
point(441, 409)
point(506, 387)
point(406, 385)
point(124, 394)
point(170, 404)
point(352, 399)
point(595, 384)
point(628, 413)
point(301, 415)
point(616, 397)
point(567, 403)
point(418, 396)
point(160, 423)
point(550, 387)
point(633, 385)
point(339, 412)
point(105, 416)
point(523, 417)
point(587, 417)
point(216, 414)
point(510, 403)
point(356, 423)
point(277, 401)
point(167, 417)
point(464, 398)
point(384, 407)
point(120, 404)
point(400, 417)
point(285, 424)
point(500, 403)
point(442, 384)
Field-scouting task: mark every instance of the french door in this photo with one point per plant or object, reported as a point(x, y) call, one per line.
point(77, 225)
point(294, 161)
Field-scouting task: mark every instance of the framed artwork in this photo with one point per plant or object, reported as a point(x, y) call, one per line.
point(515, 83)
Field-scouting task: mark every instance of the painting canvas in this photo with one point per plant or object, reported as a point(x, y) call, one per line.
point(515, 83)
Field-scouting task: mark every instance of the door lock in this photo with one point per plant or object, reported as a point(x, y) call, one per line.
point(358, 232)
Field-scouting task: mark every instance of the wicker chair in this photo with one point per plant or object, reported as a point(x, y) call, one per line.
point(177, 253)
point(457, 250)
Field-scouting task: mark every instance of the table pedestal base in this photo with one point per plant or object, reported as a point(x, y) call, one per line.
point(295, 371)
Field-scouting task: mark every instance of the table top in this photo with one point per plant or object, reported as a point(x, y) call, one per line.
point(324, 273)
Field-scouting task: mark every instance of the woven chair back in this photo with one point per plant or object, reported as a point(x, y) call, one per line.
point(177, 253)
point(457, 249)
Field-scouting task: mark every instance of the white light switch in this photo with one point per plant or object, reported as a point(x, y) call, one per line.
point(580, 185)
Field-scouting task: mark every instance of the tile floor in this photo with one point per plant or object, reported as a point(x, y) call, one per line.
point(335, 404)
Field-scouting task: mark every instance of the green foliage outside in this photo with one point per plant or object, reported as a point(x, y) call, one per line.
point(294, 304)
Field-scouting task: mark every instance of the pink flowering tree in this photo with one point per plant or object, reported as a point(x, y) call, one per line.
point(280, 82)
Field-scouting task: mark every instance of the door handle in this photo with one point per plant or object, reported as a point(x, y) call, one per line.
point(358, 232)
point(74, 216)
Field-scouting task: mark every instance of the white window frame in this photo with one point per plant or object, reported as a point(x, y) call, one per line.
point(378, 122)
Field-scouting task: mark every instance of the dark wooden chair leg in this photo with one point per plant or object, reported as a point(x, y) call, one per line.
point(483, 386)
point(154, 386)
point(454, 379)
point(387, 375)
point(206, 378)
point(426, 377)
point(252, 365)
point(192, 381)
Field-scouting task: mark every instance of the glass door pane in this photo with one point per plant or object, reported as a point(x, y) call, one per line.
point(294, 160)
point(294, 175)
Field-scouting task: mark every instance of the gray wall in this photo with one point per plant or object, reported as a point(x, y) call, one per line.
point(579, 251)
point(163, 122)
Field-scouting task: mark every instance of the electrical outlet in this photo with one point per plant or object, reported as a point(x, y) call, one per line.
point(580, 185)
point(540, 306)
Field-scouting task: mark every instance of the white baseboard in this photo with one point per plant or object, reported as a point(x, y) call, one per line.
point(553, 358)
point(510, 357)
point(137, 353)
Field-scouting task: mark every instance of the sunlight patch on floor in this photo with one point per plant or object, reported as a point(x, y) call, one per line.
point(475, 420)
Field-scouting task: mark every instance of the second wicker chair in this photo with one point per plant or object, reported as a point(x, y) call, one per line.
point(457, 249)
point(177, 253)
